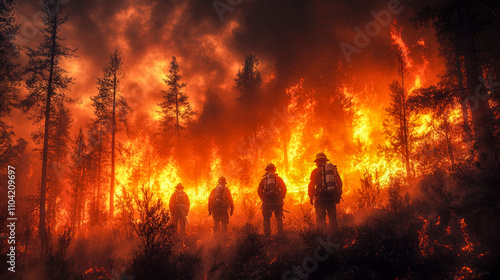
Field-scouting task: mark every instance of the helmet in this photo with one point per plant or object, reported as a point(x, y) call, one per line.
point(270, 166)
point(179, 186)
point(222, 180)
point(321, 156)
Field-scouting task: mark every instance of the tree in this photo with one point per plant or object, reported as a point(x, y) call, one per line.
point(46, 83)
point(59, 139)
point(248, 84)
point(176, 112)
point(438, 101)
point(482, 117)
point(155, 232)
point(111, 110)
point(99, 155)
point(397, 126)
point(77, 178)
point(10, 77)
point(463, 29)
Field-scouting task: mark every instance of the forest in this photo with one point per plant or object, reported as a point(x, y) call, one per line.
point(107, 106)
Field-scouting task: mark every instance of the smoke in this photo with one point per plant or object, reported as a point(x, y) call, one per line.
point(296, 43)
point(294, 40)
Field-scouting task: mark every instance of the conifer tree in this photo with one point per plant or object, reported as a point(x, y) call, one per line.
point(176, 112)
point(47, 83)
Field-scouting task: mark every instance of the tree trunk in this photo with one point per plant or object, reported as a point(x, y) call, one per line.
point(405, 126)
point(177, 112)
point(113, 130)
point(43, 186)
point(480, 110)
point(449, 141)
point(81, 200)
point(467, 136)
point(99, 158)
point(285, 150)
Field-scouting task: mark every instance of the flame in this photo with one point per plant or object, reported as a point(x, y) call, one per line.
point(351, 241)
point(423, 239)
point(397, 39)
point(139, 164)
point(469, 247)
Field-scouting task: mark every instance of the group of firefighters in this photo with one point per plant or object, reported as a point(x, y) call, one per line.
point(325, 190)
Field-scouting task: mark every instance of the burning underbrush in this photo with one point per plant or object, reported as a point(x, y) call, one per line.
point(412, 238)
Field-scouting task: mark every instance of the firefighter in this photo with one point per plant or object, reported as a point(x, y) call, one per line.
point(179, 208)
point(272, 191)
point(325, 191)
point(219, 203)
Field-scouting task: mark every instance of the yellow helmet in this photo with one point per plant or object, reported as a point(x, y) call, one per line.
point(270, 166)
point(321, 156)
point(222, 180)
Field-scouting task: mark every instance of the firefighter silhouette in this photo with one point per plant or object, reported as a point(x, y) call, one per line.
point(325, 191)
point(272, 191)
point(179, 208)
point(220, 206)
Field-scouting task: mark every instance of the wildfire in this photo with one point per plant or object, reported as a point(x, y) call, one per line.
point(398, 40)
point(469, 247)
point(140, 165)
point(423, 239)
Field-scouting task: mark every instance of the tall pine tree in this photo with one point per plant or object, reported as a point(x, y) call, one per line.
point(176, 112)
point(111, 110)
point(397, 126)
point(47, 82)
point(248, 84)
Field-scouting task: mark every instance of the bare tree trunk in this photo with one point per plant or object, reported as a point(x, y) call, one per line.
point(467, 136)
point(113, 130)
point(405, 125)
point(43, 186)
point(81, 200)
point(99, 174)
point(285, 150)
point(449, 142)
point(177, 112)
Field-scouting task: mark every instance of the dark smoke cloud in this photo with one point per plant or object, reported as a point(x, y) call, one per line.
point(294, 39)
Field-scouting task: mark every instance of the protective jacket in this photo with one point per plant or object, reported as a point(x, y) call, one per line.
point(317, 189)
point(220, 199)
point(179, 203)
point(268, 195)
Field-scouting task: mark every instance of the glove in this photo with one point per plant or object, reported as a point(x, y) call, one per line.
point(312, 201)
point(231, 212)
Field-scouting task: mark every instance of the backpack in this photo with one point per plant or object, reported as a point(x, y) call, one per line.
point(330, 183)
point(219, 196)
point(181, 203)
point(271, 189)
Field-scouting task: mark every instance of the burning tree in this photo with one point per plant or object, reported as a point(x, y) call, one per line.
point(59, 139)
point(248, 83)
point(47, 82)
point(397, 126)
point(77, 180)
point(175, 110)
point(456, 30)
point(111, 110)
